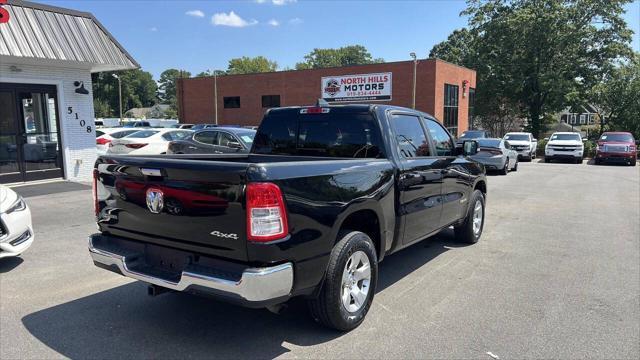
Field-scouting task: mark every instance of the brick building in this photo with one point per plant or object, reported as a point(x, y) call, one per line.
point(442, 89)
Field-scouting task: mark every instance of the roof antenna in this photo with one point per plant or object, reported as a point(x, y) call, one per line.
point(322, 102)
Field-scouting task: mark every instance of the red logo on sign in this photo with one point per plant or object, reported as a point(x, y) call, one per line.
point(332, 87)
point(4, 14)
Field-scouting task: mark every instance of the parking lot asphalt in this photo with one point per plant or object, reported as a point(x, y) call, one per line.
point(555, 275)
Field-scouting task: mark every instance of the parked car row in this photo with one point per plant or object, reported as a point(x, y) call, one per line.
point(152, 141)
point(616, 147)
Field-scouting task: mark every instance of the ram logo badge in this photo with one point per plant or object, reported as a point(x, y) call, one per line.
point(155, 200)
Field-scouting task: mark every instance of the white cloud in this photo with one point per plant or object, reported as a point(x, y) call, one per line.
point(277, 2)
point(195, 13)
point(154, 29)
point(283, 2)
point(295, 21)
point(273, 22)
point(231, 19)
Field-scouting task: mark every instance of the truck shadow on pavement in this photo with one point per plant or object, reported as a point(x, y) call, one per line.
point(10, 263)
point(123, 322)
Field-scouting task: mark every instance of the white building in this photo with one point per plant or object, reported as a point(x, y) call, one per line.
point(47, 55)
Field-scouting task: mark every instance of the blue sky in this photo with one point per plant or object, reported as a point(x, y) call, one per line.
point(161, 35)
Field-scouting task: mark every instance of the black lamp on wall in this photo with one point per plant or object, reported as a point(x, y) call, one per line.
point(80, 88)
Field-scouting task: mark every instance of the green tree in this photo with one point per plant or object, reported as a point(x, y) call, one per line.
point(495, 110)
point(251, 65)
point(459, 48)
point(547, 49)
point(138, 90)
point(101, 108)
point(616, 97)
point(344, 56)
point(167, 85)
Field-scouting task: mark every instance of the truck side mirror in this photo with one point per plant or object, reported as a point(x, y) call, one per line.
point(546, 139)
point(469, 147)
point(534, 140)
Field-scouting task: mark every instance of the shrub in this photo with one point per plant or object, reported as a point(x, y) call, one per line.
point(541, 145)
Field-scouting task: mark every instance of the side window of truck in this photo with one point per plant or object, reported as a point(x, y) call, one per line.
point(410, 136)
point(441, 138)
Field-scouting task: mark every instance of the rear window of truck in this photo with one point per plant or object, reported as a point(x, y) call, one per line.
point(332, 134)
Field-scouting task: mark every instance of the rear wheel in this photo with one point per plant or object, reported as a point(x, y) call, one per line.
point(350, 283)
point(471, 228)
point(505, 168)
point(598, 161)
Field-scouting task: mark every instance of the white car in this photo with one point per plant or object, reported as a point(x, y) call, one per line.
point(523, 143)
point(147, 142)
point(16, 230)
point(105, 136)
point(564, 145)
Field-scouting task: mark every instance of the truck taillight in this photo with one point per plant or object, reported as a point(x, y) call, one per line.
point(266, 215)
point(96, 205)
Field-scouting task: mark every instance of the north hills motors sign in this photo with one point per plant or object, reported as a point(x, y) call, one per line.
point(361, 87)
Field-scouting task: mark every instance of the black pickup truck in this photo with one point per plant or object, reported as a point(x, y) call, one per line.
point(324, 195)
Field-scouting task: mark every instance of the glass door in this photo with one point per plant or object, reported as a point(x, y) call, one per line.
point(32, 140)
point(10, 169)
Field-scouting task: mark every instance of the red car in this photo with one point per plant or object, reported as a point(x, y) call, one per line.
point(616, 147)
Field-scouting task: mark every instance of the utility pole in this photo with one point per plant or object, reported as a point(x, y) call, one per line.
point(415, 68)
point(215, 95)
point(119, 95)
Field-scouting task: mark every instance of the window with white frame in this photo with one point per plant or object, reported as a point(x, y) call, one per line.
point(592, 118)
point(583, 119)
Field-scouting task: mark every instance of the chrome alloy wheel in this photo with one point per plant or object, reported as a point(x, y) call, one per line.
point(477, 218)
point(356, 278)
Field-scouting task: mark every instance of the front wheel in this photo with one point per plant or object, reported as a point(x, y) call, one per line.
point(515, 166)
point(350, 283)
point(547, 160)
point(471, 228)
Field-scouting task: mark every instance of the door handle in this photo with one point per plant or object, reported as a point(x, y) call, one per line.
point(444, 171)
point(193, 148)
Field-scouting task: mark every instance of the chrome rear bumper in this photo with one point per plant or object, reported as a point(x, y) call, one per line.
point(254, 285)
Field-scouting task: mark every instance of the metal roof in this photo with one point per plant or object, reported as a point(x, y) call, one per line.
point(52, 33)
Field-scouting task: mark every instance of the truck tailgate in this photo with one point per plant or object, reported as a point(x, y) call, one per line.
point(193, 205)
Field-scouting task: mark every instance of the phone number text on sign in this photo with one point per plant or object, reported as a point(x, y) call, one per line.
point(359, 87)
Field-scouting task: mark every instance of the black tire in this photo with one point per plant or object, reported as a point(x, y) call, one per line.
point(633, 162)
point(547, 160)
point(515, 167)
point(579, 160)
point(598, 161)
point(327, 308)
point(505, 168)
point(464, 232)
